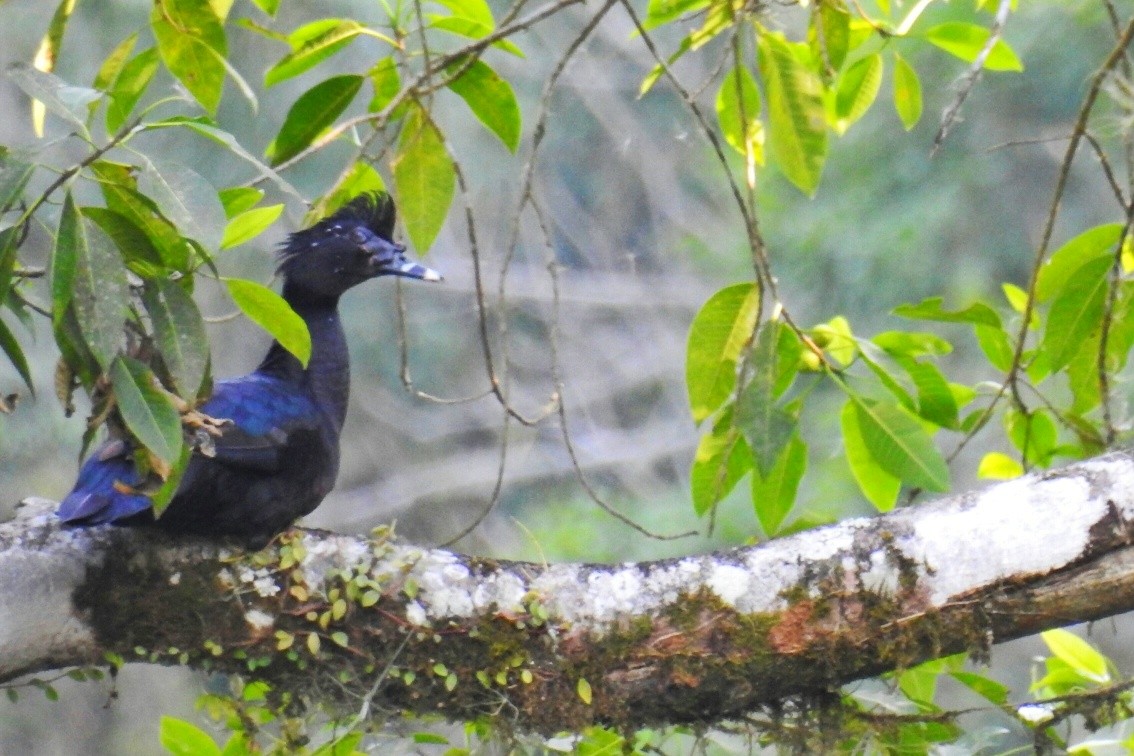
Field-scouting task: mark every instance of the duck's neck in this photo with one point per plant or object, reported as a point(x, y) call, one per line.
point(327, 375)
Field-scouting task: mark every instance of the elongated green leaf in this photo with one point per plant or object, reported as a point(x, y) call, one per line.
point(1064, 262)
point(899, 445)
point(112, 65)
point(983, 686)
point(1077, 311)
point(100, 293)
point(475, 10)
point(14, 176)
point(998, 466)
point(996, 346)
point(133, 244)
point(237, 199)
point(186, 199)
point(386, 81)
point(63, 258)
point(1033, 434)
point(738, 112)
point(722, 459)
point(48, 52)
point(719, 333)
point(425, 179)
point(311, 44)
point(190, 37)
point(119, 189)
point(60, 98)
point(315, 110)
point(878, 486)
point(661, 12)
point(858, 88)
point(160, 499)
point(965, 41)
point(907, 92)
point(249, 224)
point(128, 87)
point(181, 738)
point(491, 100)
point(829, 35)
point(360, 179)
point(935, 400)
point(268, 310)
point(766, 425)
point(9, 247)
point(179, 333)
point(466, 27)
point(773, 494)
point(797, 124)
point(1077, 654)
point(11, 347)
point(912, 343)
point(931, 309)
point(146, 410)
point(268, 6)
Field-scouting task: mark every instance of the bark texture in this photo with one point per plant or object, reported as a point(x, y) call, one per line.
point(346, 622)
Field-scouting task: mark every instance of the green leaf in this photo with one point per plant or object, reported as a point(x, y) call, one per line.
point(60, 98)
point(858, 88)
point(1077, 311)
point(718, 335)
point(311, 44)
point(722, 459)
point(995, 345)
point(360, 179)
point(97, 281)
point(15, 355)
point(474, 10)
point(48, 52)
point(998, 466)
point(912, 344)
point(878, 486)
point(583, 688)
point(767, 426)
point(314, 111)
point(931, 309)
point(386, 81)
point(1074, 254)
point(829, 35)
point(935, 400)
point(661, 12)
point(14, 177)
point(249, 224)
point(119, 191)
point(1034, 434)
point(907, 92)
point(146, 410)
point(268, 310)
point(1077, 654)
point(989, 689)
point(797, 124)
point(179, 333)
point(268, 6)
point(128, 87)
point(466, 27)
point(141, 257)
point(160, 499)
point(237, 199)
point(738, 111)
point(181, 738)
point(186, 199)
point(190, 38)
point(425, 178)
point(491, 100)
point(899, 444)
point(966, 41)
point(774, 493)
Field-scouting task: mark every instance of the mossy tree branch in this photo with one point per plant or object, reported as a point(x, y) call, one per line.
point(339, 620)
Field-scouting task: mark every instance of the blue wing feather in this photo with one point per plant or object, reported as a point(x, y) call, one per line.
point(264, 410)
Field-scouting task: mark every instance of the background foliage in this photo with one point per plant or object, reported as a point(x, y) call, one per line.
point(733, 293)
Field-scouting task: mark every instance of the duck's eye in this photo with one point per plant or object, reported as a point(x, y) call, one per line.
point(358, 236)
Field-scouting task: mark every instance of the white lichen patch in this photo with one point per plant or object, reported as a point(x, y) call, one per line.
point(259, 620)
point(882, 576)
point(729, 582)
point(415, 614)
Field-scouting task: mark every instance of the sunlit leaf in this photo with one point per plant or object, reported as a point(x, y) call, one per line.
point(386, 82)
point(935, 401)
point(146, 410)
point(661, 12)
point(931, 309)
point(966, 41)
point(314, 111)
point(48, 52)
point(738, 112)
point(311, 44)
point(181, 738)
point(128, 87)
point(878, 486)
point(858, 88)
point(249, 224)
point(1033, 434)
point(268, 310)
point(1075, 253)
point(907, 92)
point(179, 334)
point(900, 445)
point(797, 124)
point(190, 38)
point(466, 27)
point(999, 466)
point(719, 333)
point(836, 339)
point(829, 35)
point(237, 199)
point(491, 100)
point(1076, 312)
point(773, 492)
point(360, 179)
point(1077, 654)
point(424, 177)
point(912, 343)
point(475, 10)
